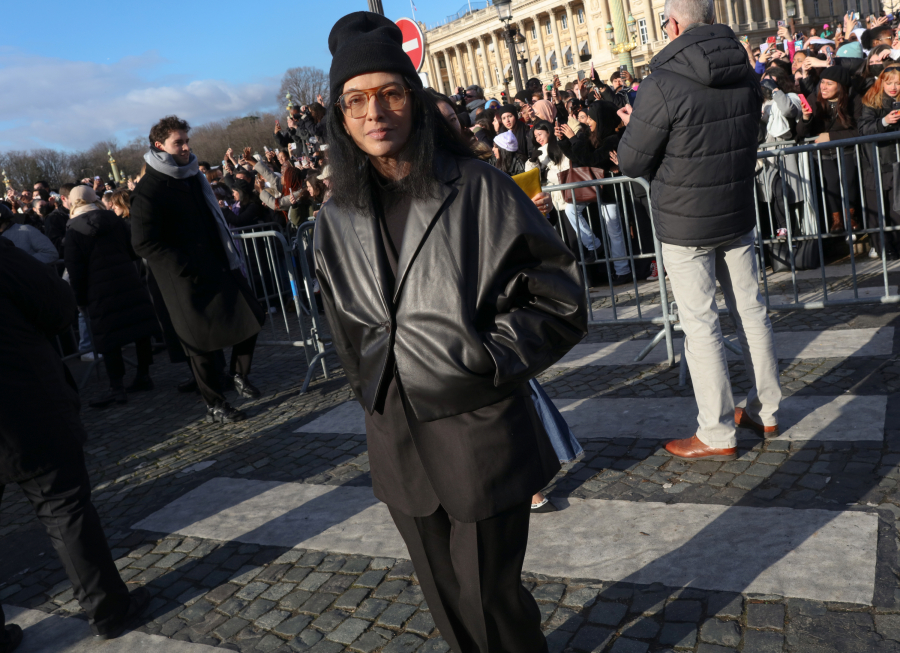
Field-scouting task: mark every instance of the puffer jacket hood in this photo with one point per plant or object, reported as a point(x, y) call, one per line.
point(694, 134)
point(707, 54)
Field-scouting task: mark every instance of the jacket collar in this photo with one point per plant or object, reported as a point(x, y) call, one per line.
point(695, 33)
point(422, 216)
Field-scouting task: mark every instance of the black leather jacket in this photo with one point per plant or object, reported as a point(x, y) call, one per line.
point(487, 295)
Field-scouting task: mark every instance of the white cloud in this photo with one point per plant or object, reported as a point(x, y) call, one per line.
point(73, 104)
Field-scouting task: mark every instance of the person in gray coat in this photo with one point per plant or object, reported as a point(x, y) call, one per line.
point(26, 237)
point(693, 131)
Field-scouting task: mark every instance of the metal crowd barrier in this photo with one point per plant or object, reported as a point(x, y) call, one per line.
point(273, 276)
point(626, 214)
point(809, 214)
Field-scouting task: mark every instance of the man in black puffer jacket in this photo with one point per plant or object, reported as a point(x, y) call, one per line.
point(693, 132)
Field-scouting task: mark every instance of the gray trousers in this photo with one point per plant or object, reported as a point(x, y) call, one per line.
point(693, 272)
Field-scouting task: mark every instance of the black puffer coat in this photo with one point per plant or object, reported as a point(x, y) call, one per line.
point(40, 428)
point(870, 123)
point(100, 261)
point(694, 132)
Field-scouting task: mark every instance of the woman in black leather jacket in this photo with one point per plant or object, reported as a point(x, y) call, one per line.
point(879, 117)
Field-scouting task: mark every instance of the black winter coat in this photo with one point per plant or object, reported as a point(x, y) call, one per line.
point(694, 133)
point(869, 125)
point(101, 268)
point(211, 306)
point(486, 296)
point(40, 429)
point(55, 229)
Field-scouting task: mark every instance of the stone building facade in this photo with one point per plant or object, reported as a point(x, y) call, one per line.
point(563, 37)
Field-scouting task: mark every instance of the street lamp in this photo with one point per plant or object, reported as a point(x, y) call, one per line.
point(115, 170)
point(504, 13)
point(375, 7)
point(632, 26)
point(520, 46)
point(618, 32)
point(791, 8)
point(610, 34)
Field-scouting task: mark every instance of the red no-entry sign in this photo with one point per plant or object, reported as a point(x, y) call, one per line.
point(413, 41)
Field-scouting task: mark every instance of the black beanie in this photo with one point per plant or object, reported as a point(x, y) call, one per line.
point(365, 42)
point(837, 74)
point(508, 108)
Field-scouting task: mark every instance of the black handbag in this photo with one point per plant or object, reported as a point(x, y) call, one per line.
point(806, 256)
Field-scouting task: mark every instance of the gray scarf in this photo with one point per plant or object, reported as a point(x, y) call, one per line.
point(164, 163)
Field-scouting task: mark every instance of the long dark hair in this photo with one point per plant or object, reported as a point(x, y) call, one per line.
point(351, 175)
point(506, 159)
point(841, 105)
point(553, 149)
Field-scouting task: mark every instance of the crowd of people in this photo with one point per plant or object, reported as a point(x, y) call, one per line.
point(154, 259)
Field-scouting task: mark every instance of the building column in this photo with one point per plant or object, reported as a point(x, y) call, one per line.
point(593, 41)
point(540, 40)
point(729, 8)
point(463, 79)
point(485, 66)
point(784, 11)
point(498, 58)
point(473, 70)
point(556, 41)
point(767, 12)
point(572, 35)
point(451, 78)
point(521, 26)
point(438, 82)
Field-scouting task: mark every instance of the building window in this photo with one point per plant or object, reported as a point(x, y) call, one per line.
point(569, 59)
point(662, 19)
point(534, 32)
point(642, 29)
point(816, 8)
point(565, 21)
point(550, 26)
point(552, 62)
point(581, 16)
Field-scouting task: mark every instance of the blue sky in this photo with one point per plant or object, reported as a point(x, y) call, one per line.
point(75, 74)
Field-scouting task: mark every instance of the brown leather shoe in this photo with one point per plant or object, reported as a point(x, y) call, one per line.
point(742, 419)
point(693, 447)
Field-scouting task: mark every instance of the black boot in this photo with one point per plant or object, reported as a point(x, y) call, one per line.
point(244, 388)
point(224, 414)
point(141, 383)
point(189, 385)
point(139, 599)
point(115, 395)
point(11, 638)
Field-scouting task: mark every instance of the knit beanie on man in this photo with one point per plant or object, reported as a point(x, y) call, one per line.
point(365, 42)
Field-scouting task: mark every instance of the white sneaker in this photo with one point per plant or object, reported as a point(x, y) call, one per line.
point(781, 233)
point(873, 253)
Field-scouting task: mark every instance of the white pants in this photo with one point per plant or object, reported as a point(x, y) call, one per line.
point(610, 213)
point(693, 272)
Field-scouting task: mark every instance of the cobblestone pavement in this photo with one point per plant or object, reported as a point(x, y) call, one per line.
point(249, 597)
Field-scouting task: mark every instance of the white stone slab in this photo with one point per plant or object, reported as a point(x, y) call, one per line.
point(845, 418)
point(863, 266)
point(789, 345)
point(45, 633)
point(812, 554)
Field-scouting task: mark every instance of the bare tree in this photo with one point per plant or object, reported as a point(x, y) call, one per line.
point(304, 84)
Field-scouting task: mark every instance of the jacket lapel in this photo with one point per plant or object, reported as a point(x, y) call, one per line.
point(369, 236)
point(422, 216)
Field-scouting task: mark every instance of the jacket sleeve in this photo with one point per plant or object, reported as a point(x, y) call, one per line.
point(77, 266)
point(644, 143)
point(807, 128)
point(870, 122)
point(264, 171)
point(56, 231)
point(342, 345)
point(283, 139)
point(147, 239)
point(42, 249)
point(533, 281)
point(45, 300)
